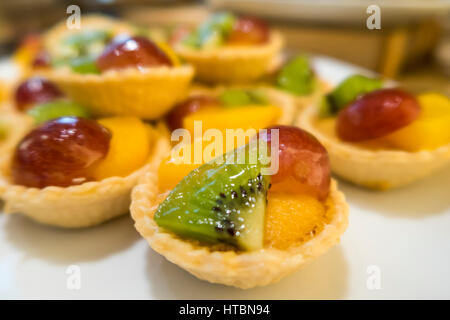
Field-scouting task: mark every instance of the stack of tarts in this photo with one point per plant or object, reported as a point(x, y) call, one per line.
point(96, 109)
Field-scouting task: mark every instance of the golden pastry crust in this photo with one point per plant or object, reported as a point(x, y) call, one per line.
point(53, 37)
point(17, 125)
point(128, 92)
point(232, 63)
point(82, 205)
point(375, 169)
point(240, 269)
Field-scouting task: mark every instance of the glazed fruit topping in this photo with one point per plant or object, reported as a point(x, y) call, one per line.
point(35, 90)
point(249, 30)
point(60, 152)
point(56, 109)
point(225, 28)
point(303, 162)
point(136, 52)
point(347, 91)
point(377, 114)
point(190, 105)
point(41, 60)
point(297, 76)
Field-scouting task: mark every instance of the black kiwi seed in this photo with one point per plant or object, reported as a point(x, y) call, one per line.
point(234, 194)
point(217, 209)
point(243, 192)
point(259, 186)
point(222, 195)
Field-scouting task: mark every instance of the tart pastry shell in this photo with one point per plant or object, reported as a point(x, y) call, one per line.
point(233, 268)
point(128, 92)
point(375, 169)
point(18, 125)
point(84, 205)
point(232, 63)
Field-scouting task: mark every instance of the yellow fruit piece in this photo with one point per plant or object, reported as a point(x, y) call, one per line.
point(129, 148)
point(186, 157)
point(170, 53)
point(248, 117)
point(27, 50)
point(292, 219)
point(431, 130)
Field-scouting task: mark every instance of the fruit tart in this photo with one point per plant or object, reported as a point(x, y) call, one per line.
point(237, 223)
point(77, 172)
point(381, 137)
point(115, 71)
point(232, 108)
point(297, 78)
point(227, 48)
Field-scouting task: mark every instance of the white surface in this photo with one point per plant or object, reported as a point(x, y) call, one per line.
point(338, 12)
point(404, 232)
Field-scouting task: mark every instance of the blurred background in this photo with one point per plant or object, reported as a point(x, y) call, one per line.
point(412, 46)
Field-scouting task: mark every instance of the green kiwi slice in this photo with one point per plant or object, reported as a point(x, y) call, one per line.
point(55, 109)
point(219, 203)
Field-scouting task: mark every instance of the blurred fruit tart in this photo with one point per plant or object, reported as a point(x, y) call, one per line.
point(232, 108)
point(381, 137)
point(227, 48)
point(297, 78)
point(115, 72)
point(241, 223)
point(73, 171)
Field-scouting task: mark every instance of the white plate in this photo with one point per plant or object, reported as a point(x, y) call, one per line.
point(337, 12)
point(404, 233)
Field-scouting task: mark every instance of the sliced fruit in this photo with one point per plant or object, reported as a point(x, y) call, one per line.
point(129, 148)
point(350, 89)
point(135, 52)
point(35, 90)
point(304, 165)
point(431, 130)
point(211, 33)
point(178, 165)
point(297, 76)
point(239, 97)
point(248, 117)
point(248, 31)
point(170, 53)
point(291, 219)
point(84, 65)
point(55, 109)
point(190, 105)
point(218, 203)
point(377, 114)
point(60, 152)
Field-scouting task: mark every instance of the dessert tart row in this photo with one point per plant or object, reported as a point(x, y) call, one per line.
point(38, 108)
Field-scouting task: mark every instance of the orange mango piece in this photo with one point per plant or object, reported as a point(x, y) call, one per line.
point(179, 163)
point(129, 147)
point(248, 117)
point(430, 131)
point(291, 218)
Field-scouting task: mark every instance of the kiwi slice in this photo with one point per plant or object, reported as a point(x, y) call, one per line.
point(219, 203)
point(350, 89)
point(55, 109)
